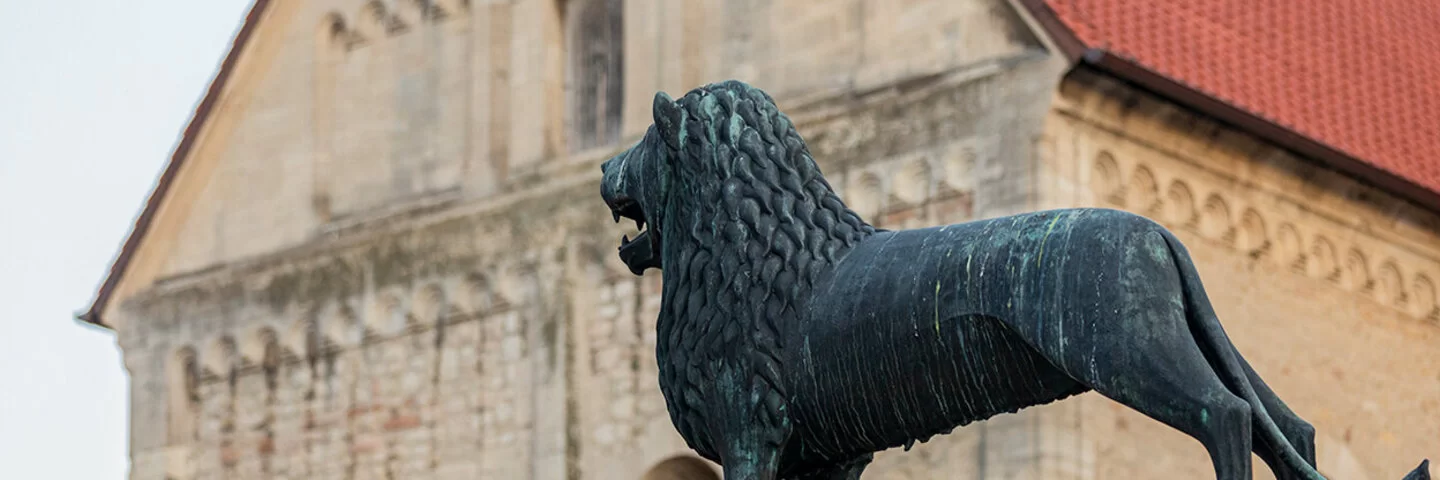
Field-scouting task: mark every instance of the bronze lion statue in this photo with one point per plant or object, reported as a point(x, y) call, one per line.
point(795, 340)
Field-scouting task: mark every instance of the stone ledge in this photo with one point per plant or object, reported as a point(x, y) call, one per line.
point(1137, 117)
point(1140, 155)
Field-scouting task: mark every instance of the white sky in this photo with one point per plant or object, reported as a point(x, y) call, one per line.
point(93, 97)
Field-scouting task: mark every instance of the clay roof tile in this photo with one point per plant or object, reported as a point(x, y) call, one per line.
point(1361, 77)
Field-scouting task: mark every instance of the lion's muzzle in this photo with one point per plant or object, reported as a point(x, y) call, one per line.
point(640, 253)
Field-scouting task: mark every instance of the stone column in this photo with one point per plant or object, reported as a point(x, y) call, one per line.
point(458, 407)
point(482, 168)
point(149, 456)
point(548, 330)
point(294, 385)
point(1039, 442)
point(642, 78)
point(251, 412)
point(1006, 183)
point(506, 363)
point(536, 59)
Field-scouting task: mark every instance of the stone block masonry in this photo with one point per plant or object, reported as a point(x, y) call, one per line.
point(390, 261)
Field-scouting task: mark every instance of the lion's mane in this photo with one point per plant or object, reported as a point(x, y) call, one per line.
point(751, 224)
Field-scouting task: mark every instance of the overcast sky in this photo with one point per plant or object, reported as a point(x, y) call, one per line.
point(93, 97)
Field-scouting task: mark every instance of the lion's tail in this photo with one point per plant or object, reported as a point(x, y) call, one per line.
point(1201, 316)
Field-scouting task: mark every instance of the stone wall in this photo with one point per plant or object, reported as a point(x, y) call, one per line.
point(500, 337)
point(346, 111)
point(397, 266)
point(1324, 284)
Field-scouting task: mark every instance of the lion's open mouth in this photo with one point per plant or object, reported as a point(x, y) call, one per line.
point(637, 253)
point(629, 209)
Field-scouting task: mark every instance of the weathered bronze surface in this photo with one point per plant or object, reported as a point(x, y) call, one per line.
point(795, 340)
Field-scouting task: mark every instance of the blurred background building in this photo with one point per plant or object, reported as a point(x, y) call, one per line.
point(379, 250)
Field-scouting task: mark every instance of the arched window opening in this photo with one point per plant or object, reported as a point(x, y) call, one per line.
point(597, 59)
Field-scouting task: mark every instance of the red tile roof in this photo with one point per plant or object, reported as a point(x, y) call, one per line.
point(1360, 78)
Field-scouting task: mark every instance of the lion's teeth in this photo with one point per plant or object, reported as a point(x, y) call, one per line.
point(639, 224)
point(616, 214)
point(624, 239)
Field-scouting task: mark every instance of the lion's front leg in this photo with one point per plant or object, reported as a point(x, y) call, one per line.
point(751, 454)
point(751, 442)
point(758, 467)
point(752, 433)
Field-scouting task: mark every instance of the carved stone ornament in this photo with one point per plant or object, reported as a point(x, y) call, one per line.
point(795, 339)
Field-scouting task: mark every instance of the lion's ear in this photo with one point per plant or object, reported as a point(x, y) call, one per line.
point(667, 119)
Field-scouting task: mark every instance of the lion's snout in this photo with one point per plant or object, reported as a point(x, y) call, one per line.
point(610, 182)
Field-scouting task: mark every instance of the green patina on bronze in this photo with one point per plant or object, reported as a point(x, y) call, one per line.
point(795, 339)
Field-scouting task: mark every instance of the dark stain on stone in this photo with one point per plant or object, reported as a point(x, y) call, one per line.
point(550, 336)
point(1012, 26)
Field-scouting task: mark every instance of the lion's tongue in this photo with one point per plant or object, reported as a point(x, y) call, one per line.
point(638, 253)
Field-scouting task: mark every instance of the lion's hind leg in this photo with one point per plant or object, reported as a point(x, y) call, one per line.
point(1164, 376)
point(1297, 431)
point(1131, 340)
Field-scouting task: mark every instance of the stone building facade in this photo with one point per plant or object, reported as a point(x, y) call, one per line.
point(379, 251)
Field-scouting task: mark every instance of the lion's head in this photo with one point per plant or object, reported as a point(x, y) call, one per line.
point(635, 187)
point(736, 212)
point(723, 165)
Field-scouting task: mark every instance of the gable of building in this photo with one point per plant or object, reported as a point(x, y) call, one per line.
point(305, 83)
point(328, 114)
point(226, 91)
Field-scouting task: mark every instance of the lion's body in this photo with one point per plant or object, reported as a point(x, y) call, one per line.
point(795, 340)
point(954, 324)
point(962, 308)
